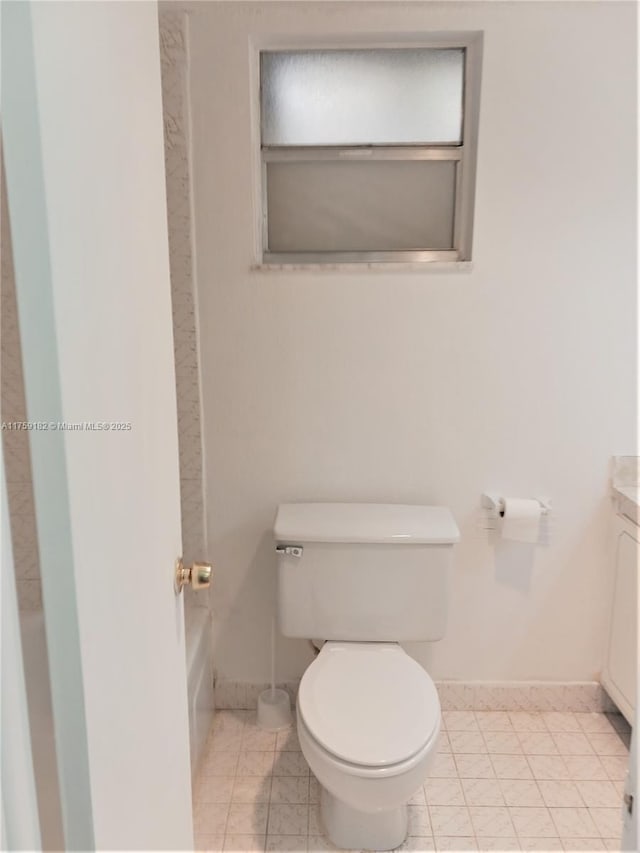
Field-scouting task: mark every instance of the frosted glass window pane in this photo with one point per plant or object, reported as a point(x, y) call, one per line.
point(386, 205)
point(362, 97)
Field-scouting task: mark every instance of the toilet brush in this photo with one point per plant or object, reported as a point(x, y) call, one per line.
point(274, 705)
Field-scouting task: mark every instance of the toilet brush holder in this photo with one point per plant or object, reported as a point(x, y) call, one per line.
point(274, 709)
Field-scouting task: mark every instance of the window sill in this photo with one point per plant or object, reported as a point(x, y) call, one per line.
point(362, 267)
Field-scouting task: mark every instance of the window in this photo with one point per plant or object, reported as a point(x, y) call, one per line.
point(368, 154)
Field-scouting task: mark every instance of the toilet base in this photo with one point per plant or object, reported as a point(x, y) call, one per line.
point(350, 828)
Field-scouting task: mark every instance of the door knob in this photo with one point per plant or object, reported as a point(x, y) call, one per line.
point(198, 575)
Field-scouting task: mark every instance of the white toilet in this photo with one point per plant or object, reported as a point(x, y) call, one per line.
point(365, 577)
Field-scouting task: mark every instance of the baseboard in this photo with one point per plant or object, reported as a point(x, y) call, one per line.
point(240, 695)
point(581, 696)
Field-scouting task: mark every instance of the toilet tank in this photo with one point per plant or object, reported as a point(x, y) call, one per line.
point(367, 572)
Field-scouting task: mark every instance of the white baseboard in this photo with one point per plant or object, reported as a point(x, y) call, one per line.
point(244, 695)
point(581, 696)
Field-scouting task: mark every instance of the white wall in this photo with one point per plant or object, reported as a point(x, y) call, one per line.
point(427, 387)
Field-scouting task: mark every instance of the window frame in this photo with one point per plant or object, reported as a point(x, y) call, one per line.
point(464, 155)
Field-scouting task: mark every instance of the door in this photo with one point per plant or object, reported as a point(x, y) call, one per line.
point(83, 148)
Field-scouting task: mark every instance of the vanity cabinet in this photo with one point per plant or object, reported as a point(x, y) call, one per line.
point(619, 676)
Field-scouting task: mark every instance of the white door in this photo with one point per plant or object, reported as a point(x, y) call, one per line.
point(83, 147)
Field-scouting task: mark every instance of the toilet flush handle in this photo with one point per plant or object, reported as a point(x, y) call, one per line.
point(289, 550)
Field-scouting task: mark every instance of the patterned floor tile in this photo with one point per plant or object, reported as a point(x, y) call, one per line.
point(511, 780)
point(460, 721)
point(210, 818)
point(574, 823)
point(474, 767)
point(521, 792)
point(533, 822)
point(208, 843)
point(247, 819)
point(287, 819)
point(583, 844)
point(572, 743)
point(561, 721)
point(585, 768)
point(213, 789)
point(551, 767)
point(290, 789)
point(255, 763)
point(560, 794)
point(537, 743)
point(595, 723)
point(419, 844)
point(443, 767)
point(293, 843)
point(615, 767)
point(494, 721)
point(448, 821)
point(599, 794)
point(244, 843)
point(511, 767)
point(419, 822)
point(523, 721)
point(467, 742)
point(491, 821)
point(251, 789)
point(507, 844)
point(456, 843)
point(607, 821)
point(544, 845)
point(483, 792)
point(444, 792)
point(502, 743)
point(608, 744)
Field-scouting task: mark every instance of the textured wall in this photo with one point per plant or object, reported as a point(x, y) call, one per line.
point(173, 53)
point(15, 443)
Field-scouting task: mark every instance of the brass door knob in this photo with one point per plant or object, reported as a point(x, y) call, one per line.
point(198, 575)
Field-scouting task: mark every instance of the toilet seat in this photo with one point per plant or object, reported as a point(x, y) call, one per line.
point(369, 704)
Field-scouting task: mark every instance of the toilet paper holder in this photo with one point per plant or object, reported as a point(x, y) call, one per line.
point(495, 504)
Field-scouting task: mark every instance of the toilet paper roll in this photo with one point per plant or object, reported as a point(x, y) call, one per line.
point(521, 520)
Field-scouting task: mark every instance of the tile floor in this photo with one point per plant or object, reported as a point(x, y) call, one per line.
point(501, 781)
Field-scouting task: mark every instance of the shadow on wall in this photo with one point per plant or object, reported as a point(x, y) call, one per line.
point(237, 599)
point(514, 564)
point(515, 555)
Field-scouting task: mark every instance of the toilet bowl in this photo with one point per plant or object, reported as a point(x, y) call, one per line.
point(368, 724)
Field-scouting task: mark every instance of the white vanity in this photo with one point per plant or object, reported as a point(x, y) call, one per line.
point(619, 676)
point(620, 671)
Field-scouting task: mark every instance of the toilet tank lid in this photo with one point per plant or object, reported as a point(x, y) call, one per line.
point(396, 524)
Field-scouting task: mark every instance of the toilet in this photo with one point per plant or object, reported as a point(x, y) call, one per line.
point(364, 578)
